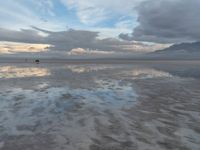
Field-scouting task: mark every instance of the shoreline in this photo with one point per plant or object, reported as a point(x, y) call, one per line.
point(94, 61)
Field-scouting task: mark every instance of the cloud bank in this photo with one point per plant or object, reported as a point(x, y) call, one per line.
point(167, 21)
point(71, 39)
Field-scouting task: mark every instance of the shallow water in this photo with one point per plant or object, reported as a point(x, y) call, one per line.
point(144, 106)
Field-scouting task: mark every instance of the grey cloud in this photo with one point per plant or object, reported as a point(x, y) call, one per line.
point(23, 36)
point(64, 40)
point(167, 21)
point(68, 40)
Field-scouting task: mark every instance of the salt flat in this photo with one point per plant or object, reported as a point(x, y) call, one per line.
point(130, 106)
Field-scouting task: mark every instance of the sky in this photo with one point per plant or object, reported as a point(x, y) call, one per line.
point(96, 27)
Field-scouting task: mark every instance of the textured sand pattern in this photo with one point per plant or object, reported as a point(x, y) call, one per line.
point(99, 107)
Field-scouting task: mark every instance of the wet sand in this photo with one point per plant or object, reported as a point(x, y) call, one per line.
point(137, 106)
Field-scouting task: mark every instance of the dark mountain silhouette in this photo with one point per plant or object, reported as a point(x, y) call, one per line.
point(187, 47)
point(182, 51)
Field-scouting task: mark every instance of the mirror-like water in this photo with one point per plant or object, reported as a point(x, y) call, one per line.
point(99, 107)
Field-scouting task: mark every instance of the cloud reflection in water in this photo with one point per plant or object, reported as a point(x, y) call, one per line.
point(17, 72)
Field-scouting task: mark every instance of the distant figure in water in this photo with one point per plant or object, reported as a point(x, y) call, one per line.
point(37, 61)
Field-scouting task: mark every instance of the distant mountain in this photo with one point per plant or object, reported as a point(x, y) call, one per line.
point(187, 47)
point(183, 51)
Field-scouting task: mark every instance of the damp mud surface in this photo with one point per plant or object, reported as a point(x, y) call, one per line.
point(137, 106)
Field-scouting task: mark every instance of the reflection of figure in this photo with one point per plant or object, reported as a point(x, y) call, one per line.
point(37, 61)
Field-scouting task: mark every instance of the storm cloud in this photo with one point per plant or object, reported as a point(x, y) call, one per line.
point(167, 21)
point(67, 40)
point(21, 36)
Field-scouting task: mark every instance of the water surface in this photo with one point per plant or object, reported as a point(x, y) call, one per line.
point(144, 106)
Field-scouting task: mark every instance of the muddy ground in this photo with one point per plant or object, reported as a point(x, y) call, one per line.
point(139, 106)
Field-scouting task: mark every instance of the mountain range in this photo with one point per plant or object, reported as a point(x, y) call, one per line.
point(185, 51)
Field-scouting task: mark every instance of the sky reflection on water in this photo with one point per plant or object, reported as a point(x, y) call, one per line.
point(18, 72)
point(133, 106)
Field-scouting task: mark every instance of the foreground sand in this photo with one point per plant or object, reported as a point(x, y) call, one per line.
point(140, 106)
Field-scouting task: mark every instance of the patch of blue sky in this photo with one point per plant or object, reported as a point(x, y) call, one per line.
point(67, 18)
